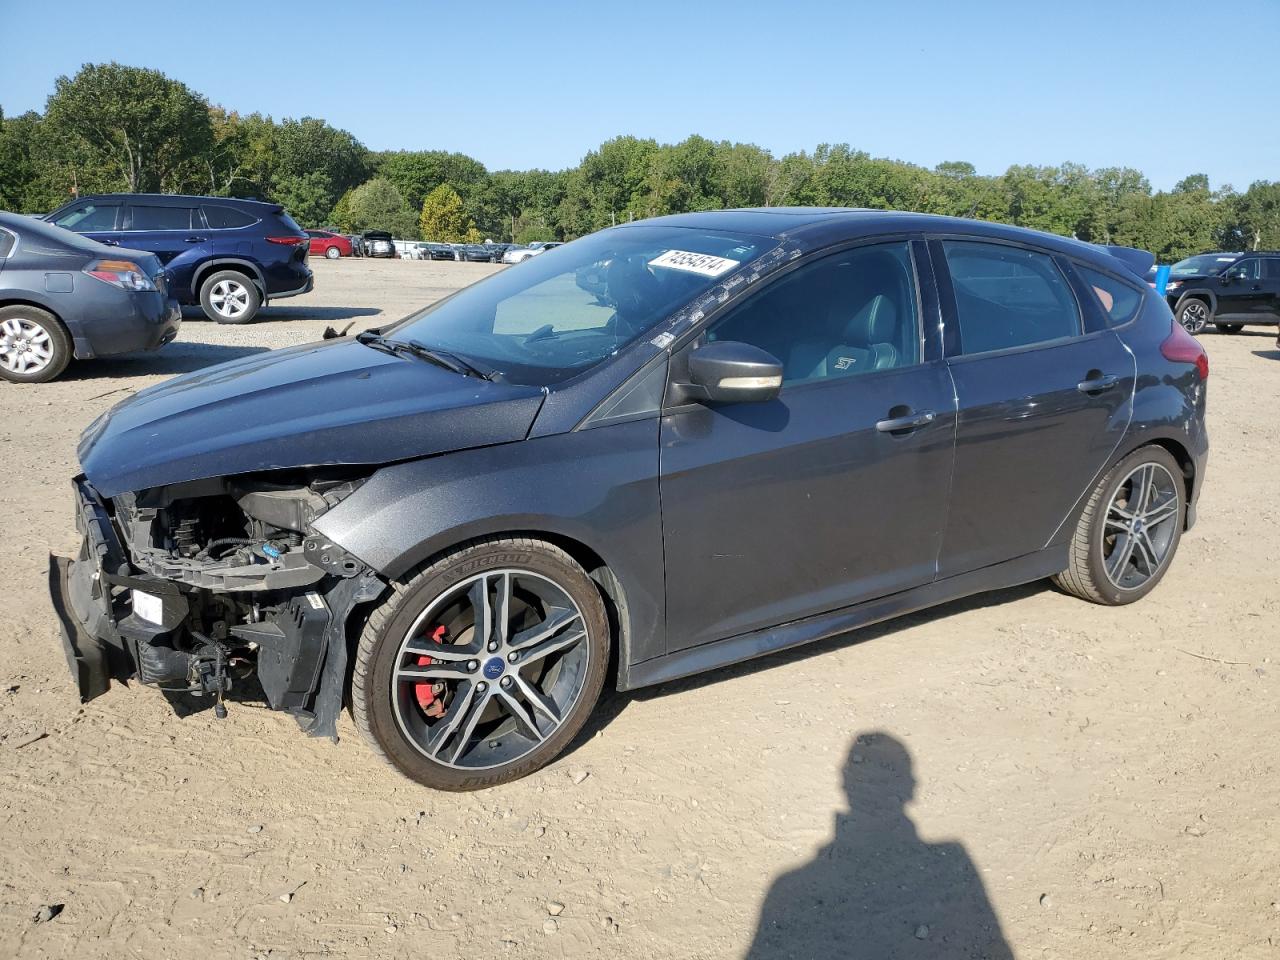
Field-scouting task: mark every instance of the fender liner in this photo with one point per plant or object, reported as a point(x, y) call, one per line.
point(246, 266)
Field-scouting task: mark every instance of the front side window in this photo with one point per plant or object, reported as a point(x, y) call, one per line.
point(1244, 270)
point(843, 315)
point(88, 217)
point(161, 218)
point(1008, 297)
point(1205, 263)
point(557, 314)
point(1119, 300)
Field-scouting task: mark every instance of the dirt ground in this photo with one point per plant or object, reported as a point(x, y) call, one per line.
point(1022, 771)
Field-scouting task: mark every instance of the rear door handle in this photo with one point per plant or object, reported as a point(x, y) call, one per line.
point(195, 239)
point(1097, 384)
point(909, 422)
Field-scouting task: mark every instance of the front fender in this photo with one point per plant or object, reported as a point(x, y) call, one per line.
point(597, 488)
point(1199, 293)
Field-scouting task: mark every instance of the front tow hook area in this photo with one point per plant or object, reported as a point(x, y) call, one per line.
point(93, 663)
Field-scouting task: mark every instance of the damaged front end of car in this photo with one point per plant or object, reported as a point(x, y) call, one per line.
point(188, 587)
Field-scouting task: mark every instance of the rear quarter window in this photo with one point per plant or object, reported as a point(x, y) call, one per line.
point(1118, 300)
point(7, 241)
point(226, 218)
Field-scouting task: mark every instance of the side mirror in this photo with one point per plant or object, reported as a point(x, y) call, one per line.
point(726, 371)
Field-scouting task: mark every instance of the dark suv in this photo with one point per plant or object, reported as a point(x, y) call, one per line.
point(1228, 290)
point(766, 427)
point(229, 256)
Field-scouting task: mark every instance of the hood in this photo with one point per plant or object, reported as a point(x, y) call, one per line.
point(337, 402)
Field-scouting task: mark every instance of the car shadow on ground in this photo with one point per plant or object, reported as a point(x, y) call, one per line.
point(295, 312)
point(877, 889)
point(178, 357)
point(1267, 354)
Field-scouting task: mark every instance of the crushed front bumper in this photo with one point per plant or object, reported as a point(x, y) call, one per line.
point(91, 597)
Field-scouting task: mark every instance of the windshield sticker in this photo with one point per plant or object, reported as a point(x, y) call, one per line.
point(700, 263)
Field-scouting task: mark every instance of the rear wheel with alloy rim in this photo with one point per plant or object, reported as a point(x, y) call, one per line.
point(34, 346)
point(1129, 530)
point(482, 667)
point(229, 296)
point(1194, 315)
point(332, 253)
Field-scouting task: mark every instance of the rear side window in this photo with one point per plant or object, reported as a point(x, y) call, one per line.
point(1008, 297)
point(1271, 268)
point(164, 218)
point(1119, 300)
point(226, 218)
point(88, 217)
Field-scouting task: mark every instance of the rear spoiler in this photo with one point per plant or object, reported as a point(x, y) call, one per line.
point(1139, 261)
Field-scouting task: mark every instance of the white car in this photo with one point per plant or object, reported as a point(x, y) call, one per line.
point(521, 254)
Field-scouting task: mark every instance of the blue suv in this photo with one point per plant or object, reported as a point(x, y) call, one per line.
point(231, 257)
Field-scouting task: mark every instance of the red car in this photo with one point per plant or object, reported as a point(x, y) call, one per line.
point(331, 245)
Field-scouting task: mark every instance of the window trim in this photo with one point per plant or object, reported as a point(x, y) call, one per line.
point(952, 351)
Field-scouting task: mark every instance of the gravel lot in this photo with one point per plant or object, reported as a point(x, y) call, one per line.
point(1085, 782)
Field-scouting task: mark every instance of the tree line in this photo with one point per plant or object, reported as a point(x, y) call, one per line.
point(119, 128)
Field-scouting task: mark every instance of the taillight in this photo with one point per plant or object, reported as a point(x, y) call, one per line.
point(288, 241)
point(1182, 347)
point(121, 273)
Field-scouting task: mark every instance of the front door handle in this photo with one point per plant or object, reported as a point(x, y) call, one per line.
point(110, 243)
point(908, 422)
point(195, 239)
point(1097, 384)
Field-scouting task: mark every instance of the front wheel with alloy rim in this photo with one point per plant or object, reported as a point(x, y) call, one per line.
point(34, 346)
point(1194, 315)
point(482, 666)
point(229, 296)
point(1129, 530)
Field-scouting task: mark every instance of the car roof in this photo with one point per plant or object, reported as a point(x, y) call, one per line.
point(174, 199)
point(817, 226)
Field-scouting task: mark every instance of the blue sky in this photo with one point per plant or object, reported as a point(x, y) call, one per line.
point(1169, 88)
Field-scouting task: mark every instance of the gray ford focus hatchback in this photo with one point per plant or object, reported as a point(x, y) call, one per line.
point(653, 451)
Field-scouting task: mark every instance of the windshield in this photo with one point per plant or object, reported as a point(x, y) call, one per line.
point(555, 315)
point(1206, 263)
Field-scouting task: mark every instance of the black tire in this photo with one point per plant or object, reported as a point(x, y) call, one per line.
point(229, 296)
point(39, 343)
point(332, 253)
point(1194, 314)
point(1229, 328)
point(373, 693)
point(1086, 576)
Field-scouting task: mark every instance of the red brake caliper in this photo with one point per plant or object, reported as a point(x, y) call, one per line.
point(428, 692)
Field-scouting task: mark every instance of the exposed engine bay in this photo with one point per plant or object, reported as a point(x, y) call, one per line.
point(197, 584)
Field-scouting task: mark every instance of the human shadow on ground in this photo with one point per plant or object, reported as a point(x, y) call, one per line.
point(877, 890)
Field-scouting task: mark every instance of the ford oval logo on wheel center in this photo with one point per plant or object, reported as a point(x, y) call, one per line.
point(493, 668)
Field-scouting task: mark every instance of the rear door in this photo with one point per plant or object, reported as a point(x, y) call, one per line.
point(1043, 398)
point(166, 231)
point(813, 501)
point(1270, 312)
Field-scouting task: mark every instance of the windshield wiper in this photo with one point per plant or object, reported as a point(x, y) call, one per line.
point(441, 358)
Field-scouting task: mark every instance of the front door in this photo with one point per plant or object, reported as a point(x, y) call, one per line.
point(166, 231)
point(833, 493)
point(1042, 403)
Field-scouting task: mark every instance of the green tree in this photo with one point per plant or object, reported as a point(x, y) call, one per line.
point(444, 218)
point(242, 158)
point(138, 127)
point(378, 205)
point(314, 165)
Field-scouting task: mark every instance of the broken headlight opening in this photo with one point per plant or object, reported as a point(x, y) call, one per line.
point(190, 586)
